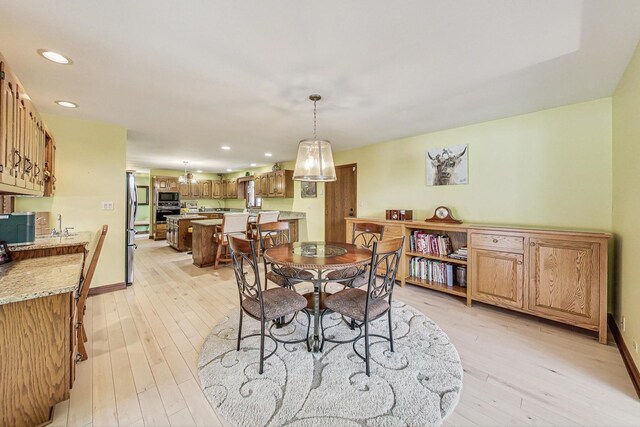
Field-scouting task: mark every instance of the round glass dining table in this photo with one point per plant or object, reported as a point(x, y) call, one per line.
point(318, 258)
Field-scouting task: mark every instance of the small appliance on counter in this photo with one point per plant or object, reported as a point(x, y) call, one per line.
point(18, 228)
point(191, 207)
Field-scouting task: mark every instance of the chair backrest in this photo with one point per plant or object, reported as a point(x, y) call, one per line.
point(365, 234)
point(91, 262)
point(267, 216)
point(273, 234)
point(385, 254)
point(245, 267)
point(235, 223)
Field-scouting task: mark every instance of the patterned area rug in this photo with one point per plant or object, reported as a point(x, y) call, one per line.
point(418, 384)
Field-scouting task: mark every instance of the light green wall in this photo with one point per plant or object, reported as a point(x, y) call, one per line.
point(626, 203)
point(549, 168)
point(90, 169)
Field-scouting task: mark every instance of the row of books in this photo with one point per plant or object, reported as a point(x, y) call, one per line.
point(432, 244)
point(460, 253)
point(433, 271)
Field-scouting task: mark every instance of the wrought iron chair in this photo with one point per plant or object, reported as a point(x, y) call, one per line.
point(367, 306)
point(273, 234)
point(363, 234)
point(264, 306)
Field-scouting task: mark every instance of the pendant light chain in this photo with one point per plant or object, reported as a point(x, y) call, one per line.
point(315, 110)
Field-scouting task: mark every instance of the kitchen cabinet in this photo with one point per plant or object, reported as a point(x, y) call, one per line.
point(229, 189)
point(22, 139)
point(166, 183)
point(277, 184)
point(190, 191)
point(217, 189)
point(49, 172)
point(206, 191)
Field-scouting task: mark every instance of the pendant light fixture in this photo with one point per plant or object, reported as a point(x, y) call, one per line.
point(314, 161)
point(187, 177)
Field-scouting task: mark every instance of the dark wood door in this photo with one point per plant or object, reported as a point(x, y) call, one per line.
point(340, 202)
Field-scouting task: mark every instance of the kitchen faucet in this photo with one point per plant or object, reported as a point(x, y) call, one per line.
point(59, 231)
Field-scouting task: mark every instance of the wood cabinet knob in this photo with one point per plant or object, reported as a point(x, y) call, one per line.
point(495, 240)
point(532, 243)
point(519, 262)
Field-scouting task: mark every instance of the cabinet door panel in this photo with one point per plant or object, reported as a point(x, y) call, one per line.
point(564, 279)
point(497, 278)
point(7, 128)
point(194, 190)
point(205, 187)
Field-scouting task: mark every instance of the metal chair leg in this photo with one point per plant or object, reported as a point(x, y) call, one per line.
point(390, 332)
point(366, 347)
point(239, 331)
point(261, 347)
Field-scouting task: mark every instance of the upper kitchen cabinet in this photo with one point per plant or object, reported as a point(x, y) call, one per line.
point(166, 183)
point(278, 184)
point(206, 189)
point(49, 172)
point(217, 189)
point(22, 139)
point(199, 190)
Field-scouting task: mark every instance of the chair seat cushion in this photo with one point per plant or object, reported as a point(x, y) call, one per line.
point(281, 280)
point(223, 237)
point(278, 302)
point(352, 302)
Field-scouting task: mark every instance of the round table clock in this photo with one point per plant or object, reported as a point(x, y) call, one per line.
point(443, 214)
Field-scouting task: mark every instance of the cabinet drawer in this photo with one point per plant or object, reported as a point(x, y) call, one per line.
point(498, 242)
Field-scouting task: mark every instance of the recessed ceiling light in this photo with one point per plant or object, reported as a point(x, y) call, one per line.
point(253, 164)
point(67, 104)
point(229, 170)
point(226, 147)
point(199, 171)
point(268, 154)
point(56, 57)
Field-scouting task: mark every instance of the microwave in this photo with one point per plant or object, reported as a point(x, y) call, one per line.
point(168, 196)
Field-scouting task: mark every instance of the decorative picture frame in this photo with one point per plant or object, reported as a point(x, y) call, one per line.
point(5, 254)
point(448, 165)
point(143, 195)
point(308, 189)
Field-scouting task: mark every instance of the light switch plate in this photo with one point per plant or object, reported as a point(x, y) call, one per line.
point(107, 206)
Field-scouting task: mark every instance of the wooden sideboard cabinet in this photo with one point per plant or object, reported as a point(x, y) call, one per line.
point(558, 275)
point(554, 274)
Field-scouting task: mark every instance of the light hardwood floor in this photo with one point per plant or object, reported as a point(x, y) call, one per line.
point(144, 343)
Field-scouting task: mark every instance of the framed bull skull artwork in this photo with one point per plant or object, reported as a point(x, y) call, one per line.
point(448, 166)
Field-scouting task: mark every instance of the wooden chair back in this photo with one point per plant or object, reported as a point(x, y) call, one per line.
point(386, 254)
point(245, 267)
point(91, 260)
point(365, 234)
point(273, 233)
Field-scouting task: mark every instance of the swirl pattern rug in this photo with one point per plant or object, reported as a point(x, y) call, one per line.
point(418, 384)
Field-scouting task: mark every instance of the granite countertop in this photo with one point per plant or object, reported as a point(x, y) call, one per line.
point(207, 222)
point(287, 215)
point(39, 277)
point(45, 242)
point(185, 216)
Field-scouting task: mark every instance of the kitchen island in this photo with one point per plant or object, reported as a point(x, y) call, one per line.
point(37, 335)
point(204, 248)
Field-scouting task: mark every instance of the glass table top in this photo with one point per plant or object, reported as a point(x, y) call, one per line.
point(318, 250)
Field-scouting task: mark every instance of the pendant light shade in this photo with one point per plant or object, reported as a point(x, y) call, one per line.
point(315, 160)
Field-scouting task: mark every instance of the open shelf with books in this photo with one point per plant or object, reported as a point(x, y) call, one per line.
point(436, 257)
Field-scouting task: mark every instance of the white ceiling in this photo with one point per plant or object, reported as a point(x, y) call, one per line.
point(187, 77)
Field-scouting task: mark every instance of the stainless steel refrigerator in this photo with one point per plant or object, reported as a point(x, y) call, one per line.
point(132, 209)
